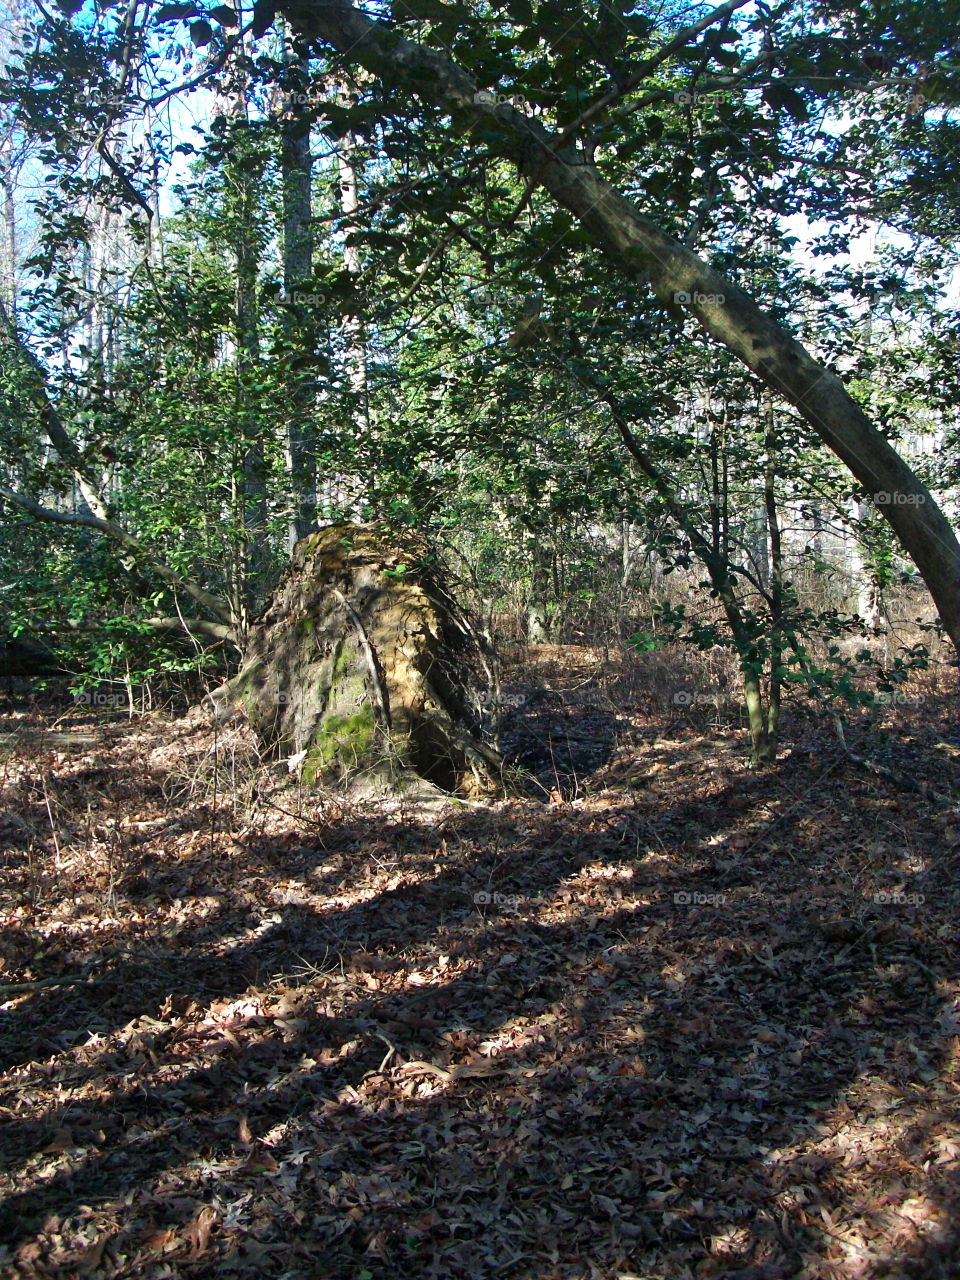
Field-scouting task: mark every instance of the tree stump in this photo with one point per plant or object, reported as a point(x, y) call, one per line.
point(359, 670)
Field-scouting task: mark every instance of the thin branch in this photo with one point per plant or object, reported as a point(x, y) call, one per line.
point(647, 67)
point(383, 705)
point(56, 431)
point(214, 65)
point(111, 529)
point(198, 626)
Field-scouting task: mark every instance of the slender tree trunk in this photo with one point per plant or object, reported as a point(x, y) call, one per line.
point(153, 195)
point(718, 570)
point(628, 563)
point(776, 582)
point(243, 179)
point(355, 352)
point(10, 255)
point(538, 615)
point(869, 599)
point(296, 163)
point(248, 354)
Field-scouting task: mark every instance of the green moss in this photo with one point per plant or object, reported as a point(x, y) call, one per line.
point(341, 660)
point(341, 741)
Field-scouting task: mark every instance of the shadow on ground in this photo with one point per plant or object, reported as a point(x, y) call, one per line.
point(680, 1031)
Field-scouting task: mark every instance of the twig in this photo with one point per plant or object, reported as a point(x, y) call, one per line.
point(391, 1050)
point(53, 828)
point(371, 659)
point(892, 775)
point(922, 967)
point(15, 987)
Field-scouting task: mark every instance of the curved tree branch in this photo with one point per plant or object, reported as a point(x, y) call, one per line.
point(59, 437)
point(129, 543)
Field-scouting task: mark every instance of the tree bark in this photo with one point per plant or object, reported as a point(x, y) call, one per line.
point(243, 215)
point(354, 337)
point(538, 612)
point(869, 596)
point(673, 271)
point(296, 174)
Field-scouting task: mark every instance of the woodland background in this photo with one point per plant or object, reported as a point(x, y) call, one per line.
point(688, 1005)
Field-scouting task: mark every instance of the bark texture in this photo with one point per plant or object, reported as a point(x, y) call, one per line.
point(359, 671)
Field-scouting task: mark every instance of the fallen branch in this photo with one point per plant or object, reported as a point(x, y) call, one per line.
point(42, 738)
point(111, 529)
point(891, 775)
point(15, 988)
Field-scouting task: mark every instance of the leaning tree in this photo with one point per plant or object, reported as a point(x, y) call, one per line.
point(565, 162)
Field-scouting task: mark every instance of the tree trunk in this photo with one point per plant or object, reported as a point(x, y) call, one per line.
point(243, 174)
point(296, 175)
point(357, 671)
point(869, 595)
point(354, 337)
point(776, 584)
point(11, 261)
point(676, 275)
point(538, 613)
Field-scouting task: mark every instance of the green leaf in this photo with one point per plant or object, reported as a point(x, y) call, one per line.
point(223, 14)
point(641, 642)
point(782, 96)
point(201, 33)
point(175, 12)
point(264, 12)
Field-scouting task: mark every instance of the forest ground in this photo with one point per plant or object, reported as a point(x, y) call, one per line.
point(682, 1019)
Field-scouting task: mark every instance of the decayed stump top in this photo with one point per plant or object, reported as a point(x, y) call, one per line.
point(359, 666)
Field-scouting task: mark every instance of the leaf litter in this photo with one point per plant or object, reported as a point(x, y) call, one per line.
point(679, 1020)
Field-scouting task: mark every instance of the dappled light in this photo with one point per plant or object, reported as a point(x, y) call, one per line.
point(479, 640)
point(700, 1021)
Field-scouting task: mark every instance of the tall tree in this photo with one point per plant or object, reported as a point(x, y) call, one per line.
point(296, 176)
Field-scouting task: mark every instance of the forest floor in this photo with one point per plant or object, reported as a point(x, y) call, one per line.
point(682, 1019)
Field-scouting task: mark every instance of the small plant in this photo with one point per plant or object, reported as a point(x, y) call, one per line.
point(644, 642)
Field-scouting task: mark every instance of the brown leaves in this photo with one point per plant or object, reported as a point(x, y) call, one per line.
point(62, 1140)
point(197, 1231)
point(302, 1059)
